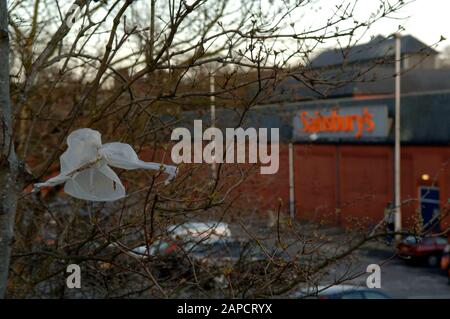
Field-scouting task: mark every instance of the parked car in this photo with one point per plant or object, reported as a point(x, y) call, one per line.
point(186, 237)
point(227, 251)
point(445, 261)
point(157, 248)
point(418, 249)
point(341, 292)
point(242, 259)
point(168, 257)
point(206, 232)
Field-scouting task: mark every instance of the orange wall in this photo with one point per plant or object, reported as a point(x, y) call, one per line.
point(339, 184)
point(352, 184)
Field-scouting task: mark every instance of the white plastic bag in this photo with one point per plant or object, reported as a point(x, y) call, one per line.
point(85, 167)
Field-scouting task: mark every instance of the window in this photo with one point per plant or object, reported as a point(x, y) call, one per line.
point(411, 240)
point(441, 241)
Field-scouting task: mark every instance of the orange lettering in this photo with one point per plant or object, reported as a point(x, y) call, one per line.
point(338, 123)
point(306, 124)
point(348, 124)
point(360, 120)
point(368, 119)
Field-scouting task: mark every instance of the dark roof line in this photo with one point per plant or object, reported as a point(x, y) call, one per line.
point(350, 99)
point(378, 48)
point(375, 82)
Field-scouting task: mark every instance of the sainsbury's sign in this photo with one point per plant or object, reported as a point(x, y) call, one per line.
point(349, 123)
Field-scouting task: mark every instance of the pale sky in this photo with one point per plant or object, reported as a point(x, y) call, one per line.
point(428, 20)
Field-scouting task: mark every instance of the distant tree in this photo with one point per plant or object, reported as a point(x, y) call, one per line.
point(9, 164)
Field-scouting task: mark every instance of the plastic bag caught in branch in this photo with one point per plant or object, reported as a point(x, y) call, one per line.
point(85, 167)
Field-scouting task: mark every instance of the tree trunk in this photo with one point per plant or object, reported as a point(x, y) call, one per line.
point(9, 164)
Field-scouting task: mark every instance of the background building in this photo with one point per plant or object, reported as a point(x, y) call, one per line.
point(344, 140)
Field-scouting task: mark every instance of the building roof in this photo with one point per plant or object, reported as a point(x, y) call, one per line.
point(424, 117)
point(380, 47)
point(379, 81)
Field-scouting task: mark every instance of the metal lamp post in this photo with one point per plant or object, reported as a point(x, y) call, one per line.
point(397, 158)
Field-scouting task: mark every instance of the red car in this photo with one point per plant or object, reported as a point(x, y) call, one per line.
point(445, 261)
point(427, 249)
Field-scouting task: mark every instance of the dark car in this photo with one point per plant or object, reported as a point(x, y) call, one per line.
point(445, 261)
point(236, 251)
point(241, 259)
point(227, 251)
point(342, 292)
point(428, 250)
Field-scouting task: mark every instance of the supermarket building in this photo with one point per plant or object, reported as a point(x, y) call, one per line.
point(337, 153)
